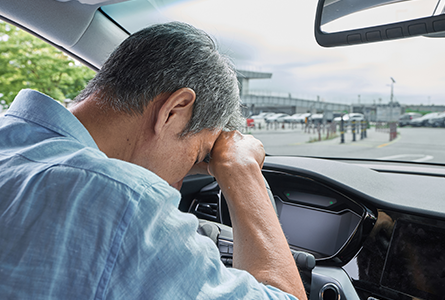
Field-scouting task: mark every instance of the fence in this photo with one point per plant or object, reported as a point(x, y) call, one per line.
point(325, 130)
point(389, 127)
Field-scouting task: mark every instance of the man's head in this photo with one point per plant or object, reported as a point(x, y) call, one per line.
point(161, 100)
point(162, 59)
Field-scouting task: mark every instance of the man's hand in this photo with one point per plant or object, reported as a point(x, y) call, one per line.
point(260, 246)
point(231, 147)
point(234, 150)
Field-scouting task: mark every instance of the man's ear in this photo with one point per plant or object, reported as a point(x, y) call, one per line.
point(178, 107)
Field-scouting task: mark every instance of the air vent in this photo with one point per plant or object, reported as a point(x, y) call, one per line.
point(205, 205)
point(207, 209)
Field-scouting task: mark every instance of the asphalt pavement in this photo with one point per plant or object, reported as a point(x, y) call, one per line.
point(411, 144)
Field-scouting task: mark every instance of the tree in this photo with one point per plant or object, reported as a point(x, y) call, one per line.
point(28, 62)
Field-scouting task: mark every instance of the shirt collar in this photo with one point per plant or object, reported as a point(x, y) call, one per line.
point(38, 108)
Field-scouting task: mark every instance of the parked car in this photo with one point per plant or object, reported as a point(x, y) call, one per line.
point(282, 118)
point(262, 115)
point(291, 119)
point(259, 120)
point(276, 118)
point(316, 118)
point(350, 117)
point(406, 118)
point(437, 121)
point(302, 118)
point(424, 120)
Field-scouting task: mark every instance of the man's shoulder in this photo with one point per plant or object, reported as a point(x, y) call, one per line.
point(53, 143)
point(110, 169)
point(67, 161)
point(94, 165)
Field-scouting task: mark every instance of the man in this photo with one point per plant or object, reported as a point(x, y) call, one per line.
point(86, 210)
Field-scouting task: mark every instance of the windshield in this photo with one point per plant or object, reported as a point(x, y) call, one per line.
point(381, 90)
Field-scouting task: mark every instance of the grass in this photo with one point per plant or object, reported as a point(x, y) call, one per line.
point(325, 138)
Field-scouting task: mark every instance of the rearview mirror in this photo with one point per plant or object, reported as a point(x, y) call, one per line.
point(349, 22)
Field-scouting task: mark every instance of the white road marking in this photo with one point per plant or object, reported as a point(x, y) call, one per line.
point(425, 158)
point(409, 157)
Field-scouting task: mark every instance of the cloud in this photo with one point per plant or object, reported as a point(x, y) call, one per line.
point(277, 37)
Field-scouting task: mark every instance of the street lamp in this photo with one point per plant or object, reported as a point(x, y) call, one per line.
point(391, 99)
point(392, 88)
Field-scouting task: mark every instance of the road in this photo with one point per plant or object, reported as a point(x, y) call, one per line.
point(412, 144)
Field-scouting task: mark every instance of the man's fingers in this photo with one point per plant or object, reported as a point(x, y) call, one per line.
point(235, 149)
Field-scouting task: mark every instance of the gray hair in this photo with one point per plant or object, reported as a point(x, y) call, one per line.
point(162, 59)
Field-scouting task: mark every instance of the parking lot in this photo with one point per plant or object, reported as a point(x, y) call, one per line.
point(422, 144)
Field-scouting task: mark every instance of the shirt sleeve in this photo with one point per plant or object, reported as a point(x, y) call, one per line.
point(163, 257)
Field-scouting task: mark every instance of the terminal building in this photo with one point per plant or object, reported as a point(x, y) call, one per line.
point(255, 103)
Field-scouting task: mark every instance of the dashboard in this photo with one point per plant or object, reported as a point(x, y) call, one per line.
point(318, 219)
point(404, 258)
point(372, 233)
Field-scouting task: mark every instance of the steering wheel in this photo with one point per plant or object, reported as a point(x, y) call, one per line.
point(269, 193)
point(221, 234)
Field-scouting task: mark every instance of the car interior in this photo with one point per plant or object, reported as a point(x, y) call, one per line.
point(358, 228)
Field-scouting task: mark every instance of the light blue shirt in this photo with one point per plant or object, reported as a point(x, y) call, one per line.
point(75, 224)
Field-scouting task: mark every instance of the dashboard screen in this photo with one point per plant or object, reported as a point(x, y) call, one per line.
point(415, 263)
point(315, 230)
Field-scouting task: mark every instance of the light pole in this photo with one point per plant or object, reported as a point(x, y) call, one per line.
point(392, 88)
point(391, 99)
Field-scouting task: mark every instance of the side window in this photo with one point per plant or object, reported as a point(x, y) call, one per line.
point(28, 62)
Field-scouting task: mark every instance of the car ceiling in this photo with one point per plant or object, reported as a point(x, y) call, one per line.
point(74, 26)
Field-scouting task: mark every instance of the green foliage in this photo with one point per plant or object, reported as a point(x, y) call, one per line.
point(28, 62)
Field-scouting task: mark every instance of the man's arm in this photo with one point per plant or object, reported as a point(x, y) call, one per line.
point(260, 246)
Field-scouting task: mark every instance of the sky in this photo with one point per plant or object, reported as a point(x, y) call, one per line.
point(278, 37)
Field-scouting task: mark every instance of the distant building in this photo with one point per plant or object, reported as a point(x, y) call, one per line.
point(255, 102)
point(279, 102)
point(244, 77)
